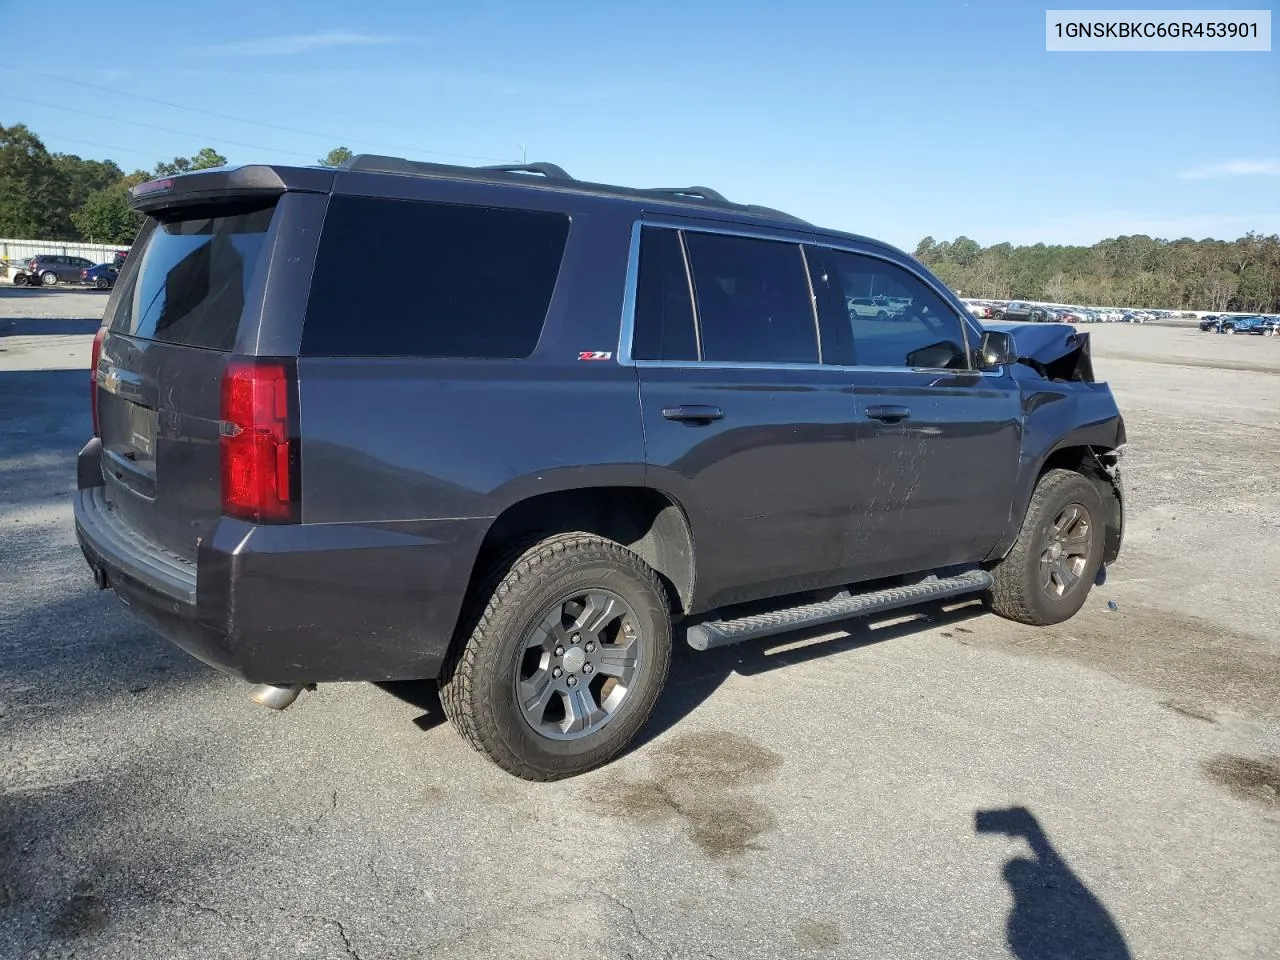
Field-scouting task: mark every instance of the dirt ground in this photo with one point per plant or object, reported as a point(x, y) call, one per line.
point(943, 785)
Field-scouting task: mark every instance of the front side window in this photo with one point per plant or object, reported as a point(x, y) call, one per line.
point(909, 324)
point(753, 299)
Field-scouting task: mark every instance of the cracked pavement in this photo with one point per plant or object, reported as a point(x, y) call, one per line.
point(949, 785)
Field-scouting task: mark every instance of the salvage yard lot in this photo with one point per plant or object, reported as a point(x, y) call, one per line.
point(815, 796)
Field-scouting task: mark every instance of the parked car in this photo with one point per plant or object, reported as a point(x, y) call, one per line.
point(1210, 322)
point(15, 272)
point(1256, 323)
point(1244, 324)
point(979, 309)
point(866, 307)
point(1016, 310)
point(51, 269)
point(103, 276)
point(522, 492)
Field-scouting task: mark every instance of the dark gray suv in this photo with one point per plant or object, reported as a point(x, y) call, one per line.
point(570, 420)
point(50, 269)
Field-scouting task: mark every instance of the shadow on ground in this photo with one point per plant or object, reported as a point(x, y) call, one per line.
point(1055, 916)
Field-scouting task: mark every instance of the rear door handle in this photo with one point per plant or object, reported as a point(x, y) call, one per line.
point(693, 413)
point(888, 413)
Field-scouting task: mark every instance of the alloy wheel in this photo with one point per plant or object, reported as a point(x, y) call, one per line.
point(579, 665)
point(1068, 544)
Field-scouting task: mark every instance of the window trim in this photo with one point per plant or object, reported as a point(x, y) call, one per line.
point(693, 296)
point(626, 336)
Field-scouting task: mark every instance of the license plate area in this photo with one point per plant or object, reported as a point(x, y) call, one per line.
point(142, 433)
point(129, 446)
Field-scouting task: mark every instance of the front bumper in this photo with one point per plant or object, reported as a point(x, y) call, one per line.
point(290, 603)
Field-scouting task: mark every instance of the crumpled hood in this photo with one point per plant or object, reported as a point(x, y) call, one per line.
point(1057, 350)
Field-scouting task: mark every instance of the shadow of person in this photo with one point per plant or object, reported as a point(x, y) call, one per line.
point(1054, 916)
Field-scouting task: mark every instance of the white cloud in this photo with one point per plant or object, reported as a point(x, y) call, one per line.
point(299, 43)
point(1233, 168)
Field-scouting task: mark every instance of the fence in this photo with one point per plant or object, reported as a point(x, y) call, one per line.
point(22, 249)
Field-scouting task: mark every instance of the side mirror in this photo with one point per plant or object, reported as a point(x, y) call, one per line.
point(995, 349)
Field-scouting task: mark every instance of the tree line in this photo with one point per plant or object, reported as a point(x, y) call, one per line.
point(1135, 271)
point(60, 196)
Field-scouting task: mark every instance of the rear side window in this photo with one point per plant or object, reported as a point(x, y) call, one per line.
point(192, 279)
point(405, 278)
point(753, 300)
point(664, 310)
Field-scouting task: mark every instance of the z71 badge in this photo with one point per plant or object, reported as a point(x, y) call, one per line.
point(595, 355)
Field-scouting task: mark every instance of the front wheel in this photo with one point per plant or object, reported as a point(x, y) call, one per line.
point(1047, 575)
point(564, 654)
point(20, 280)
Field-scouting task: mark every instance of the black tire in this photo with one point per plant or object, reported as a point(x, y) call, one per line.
point(102, 283)
point(20, 280)
point(49, 278)
point(882, 315)
point(1020, 592)
point(479, 680)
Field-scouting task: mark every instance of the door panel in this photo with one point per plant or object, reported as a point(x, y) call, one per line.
point(939, 452)
point(767, 485)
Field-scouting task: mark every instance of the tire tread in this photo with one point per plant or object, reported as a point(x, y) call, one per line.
point(516, 570)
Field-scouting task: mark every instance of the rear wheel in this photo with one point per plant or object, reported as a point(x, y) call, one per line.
point(49, 278)
point(564, 660)
point(101, 283)
point(1047, 575)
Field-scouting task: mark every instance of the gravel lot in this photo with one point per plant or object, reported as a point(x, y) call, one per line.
point(818, 797)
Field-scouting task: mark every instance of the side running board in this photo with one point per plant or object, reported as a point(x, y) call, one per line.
point(719, 633)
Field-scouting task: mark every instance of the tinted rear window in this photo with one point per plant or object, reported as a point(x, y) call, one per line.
point(405, 278)
point(192, 278)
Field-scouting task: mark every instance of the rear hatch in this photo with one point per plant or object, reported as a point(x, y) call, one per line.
point(175, 319)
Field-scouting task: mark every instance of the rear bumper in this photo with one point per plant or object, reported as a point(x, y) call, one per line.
point(296, 603)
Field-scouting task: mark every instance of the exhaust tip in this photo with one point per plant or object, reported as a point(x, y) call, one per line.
point(275, 697)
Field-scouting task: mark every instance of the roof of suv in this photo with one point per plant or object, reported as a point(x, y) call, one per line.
point(552, 176)
point(272, 178)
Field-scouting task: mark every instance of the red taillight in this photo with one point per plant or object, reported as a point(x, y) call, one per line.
point(259, 452)
point(84, 274)
point(93, 375)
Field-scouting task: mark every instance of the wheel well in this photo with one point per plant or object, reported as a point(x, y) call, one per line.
point(646, 522)
point(1094, 463)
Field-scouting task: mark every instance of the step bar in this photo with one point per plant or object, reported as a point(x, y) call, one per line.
point(719, 633)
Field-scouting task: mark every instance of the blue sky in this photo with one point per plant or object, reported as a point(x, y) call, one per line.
point(895, 120)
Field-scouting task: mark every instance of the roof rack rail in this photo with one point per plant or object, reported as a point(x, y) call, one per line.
point(696, 193)
point(553, 176)
point(548, 170)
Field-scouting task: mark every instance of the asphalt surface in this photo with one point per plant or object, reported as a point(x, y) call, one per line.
point(942, 786)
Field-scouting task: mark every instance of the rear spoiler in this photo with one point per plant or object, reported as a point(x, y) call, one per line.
point(226, 183)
